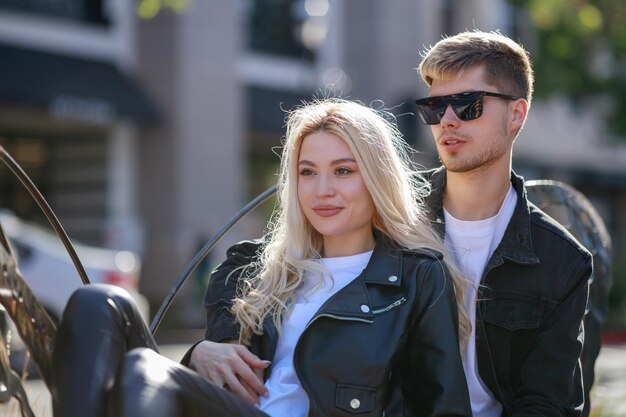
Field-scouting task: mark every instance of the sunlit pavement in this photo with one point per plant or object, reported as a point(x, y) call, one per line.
point(608, 396)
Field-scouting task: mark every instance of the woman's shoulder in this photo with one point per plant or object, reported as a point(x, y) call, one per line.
point(410, 260)
point(423, 263)
point(423, 254)
point(422, 257)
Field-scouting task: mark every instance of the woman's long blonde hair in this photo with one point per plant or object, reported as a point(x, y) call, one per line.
point(269, 285)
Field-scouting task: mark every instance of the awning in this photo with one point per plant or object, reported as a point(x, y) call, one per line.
point(70, 87)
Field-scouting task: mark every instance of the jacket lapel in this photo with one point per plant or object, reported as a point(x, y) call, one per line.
point(516, 244)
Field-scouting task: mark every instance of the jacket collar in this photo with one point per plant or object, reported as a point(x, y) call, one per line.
point(385, 265)
point(516, 244)
point(386, 262)
point(354, 300)
point(385, 268)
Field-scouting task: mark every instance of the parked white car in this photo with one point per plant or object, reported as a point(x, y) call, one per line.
point(48, 269)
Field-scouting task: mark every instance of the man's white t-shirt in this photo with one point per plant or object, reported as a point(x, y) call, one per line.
point(472, 243)
point(286, 397)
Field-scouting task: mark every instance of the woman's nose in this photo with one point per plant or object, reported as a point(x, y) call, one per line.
point(325, 186)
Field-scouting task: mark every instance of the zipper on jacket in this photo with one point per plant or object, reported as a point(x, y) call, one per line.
point(390, 306)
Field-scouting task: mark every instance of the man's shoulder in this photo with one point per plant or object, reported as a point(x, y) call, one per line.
point(551, 234)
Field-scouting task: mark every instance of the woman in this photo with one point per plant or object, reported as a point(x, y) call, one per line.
point(351, 300)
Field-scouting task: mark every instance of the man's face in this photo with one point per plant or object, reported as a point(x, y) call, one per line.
point(473, 145)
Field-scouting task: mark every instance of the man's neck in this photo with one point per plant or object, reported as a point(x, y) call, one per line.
point(475, 195)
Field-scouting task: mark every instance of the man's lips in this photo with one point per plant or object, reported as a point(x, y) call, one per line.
point(451, 143)
point(327, 211)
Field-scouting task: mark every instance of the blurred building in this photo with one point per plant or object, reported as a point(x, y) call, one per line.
point(131, 128)
point(163, 126)
point(69, 105)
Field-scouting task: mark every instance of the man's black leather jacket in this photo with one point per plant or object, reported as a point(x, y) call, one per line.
point(384, 345)
point(531, 304)
point(528, 326)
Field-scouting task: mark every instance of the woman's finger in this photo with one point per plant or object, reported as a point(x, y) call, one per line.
point(250, 377)
point(235, 386)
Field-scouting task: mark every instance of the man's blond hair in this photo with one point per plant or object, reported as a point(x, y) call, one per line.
point(506, 62)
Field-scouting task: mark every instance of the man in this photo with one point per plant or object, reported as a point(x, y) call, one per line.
point(531, 276)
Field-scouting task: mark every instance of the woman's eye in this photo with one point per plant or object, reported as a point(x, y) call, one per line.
point(306, 172)
point(343, 171)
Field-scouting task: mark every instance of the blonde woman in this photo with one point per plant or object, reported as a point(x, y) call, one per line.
point(348, 308)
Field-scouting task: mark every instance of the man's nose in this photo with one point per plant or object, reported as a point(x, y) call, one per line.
point(449, 117)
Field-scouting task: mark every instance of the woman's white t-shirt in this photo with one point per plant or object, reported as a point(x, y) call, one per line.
point(286, 397)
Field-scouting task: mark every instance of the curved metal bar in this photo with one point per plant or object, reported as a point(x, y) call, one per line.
point(47, 211)
point(204, 252)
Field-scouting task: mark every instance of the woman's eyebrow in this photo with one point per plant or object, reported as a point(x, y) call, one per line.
point(335, 162)
point(342, 161)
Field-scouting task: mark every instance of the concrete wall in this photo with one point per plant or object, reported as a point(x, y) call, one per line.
point(192, 164)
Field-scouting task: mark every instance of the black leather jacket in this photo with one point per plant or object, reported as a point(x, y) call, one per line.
point(531, 305)
point(384, 345)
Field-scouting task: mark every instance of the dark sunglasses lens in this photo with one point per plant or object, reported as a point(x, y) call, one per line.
point(467, 106)
point(469, 109)
point(430, 111)
point(427, 115)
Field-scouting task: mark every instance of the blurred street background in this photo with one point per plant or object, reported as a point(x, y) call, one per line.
point(147, 124)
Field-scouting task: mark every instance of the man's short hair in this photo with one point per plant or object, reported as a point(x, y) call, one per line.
point(507, 64)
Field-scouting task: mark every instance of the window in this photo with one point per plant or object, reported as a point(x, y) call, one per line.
point(87, 11)
point(291, 28)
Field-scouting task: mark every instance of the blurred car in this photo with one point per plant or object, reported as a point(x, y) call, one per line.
point(48, 269)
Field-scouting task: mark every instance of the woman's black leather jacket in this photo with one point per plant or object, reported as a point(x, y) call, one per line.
point(384, 345)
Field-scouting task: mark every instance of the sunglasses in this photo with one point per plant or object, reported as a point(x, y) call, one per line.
point(467, 105)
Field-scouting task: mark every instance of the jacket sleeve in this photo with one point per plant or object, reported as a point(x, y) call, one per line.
point(222, 290)
point(436, 383)
point(554, 358)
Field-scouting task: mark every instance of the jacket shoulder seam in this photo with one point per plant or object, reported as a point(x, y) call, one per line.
point(558, 231)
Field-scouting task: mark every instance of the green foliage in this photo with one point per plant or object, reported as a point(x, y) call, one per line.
point(581, 51)
point(147, 9)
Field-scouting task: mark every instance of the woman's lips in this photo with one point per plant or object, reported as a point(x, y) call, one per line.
point(327, 211)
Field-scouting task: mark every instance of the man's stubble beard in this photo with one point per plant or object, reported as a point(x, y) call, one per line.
point(458, 162)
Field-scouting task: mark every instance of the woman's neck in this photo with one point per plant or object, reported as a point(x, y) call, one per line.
point(336, 246)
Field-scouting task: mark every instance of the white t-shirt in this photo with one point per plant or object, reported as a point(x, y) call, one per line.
point(286, 397)
point(472, 243)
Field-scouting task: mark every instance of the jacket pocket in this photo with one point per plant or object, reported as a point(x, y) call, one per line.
point(355, 399)
point(513, 314)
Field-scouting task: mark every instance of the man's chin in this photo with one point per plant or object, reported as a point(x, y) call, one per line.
point(456, 166)
point(459, 168)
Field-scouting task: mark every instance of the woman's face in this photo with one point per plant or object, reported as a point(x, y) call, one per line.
point(333, 196)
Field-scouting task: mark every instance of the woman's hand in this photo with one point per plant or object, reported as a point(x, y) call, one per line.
point(231, 365)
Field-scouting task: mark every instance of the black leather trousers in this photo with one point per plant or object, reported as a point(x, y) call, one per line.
point(106, 363)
